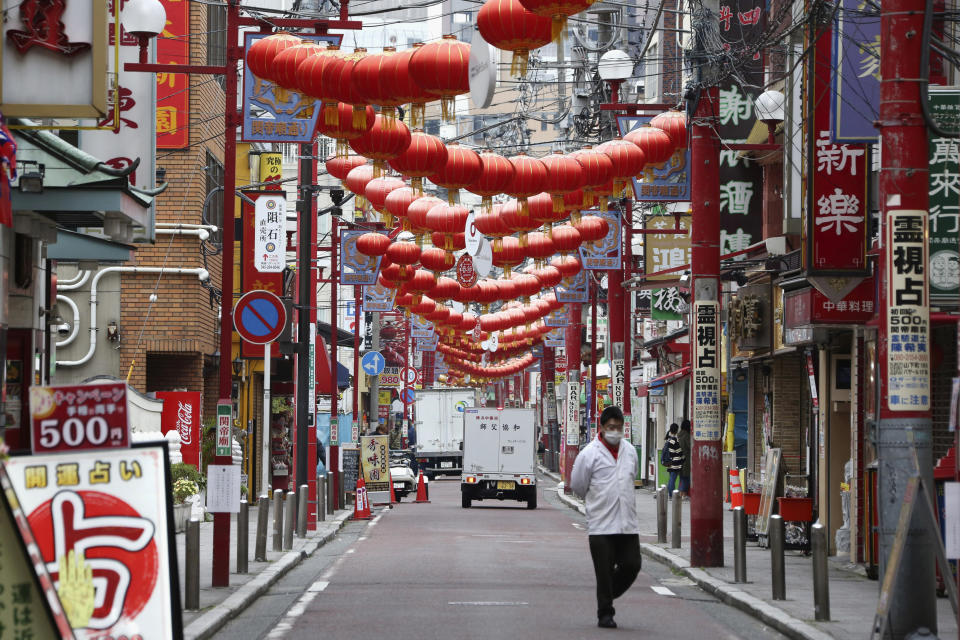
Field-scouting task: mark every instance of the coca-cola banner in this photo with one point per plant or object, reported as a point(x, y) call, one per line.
point(181, 411)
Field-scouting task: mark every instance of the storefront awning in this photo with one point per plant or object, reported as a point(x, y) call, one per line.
point(74, 247)
point(668, 378)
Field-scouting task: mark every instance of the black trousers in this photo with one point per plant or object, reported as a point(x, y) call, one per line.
point(616, 561)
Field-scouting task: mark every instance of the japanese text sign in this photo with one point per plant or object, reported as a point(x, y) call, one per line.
point(377, 297)
point(573, 413)
point(908, 312)
point(573, 289)
point(707, 423)
point(835, 225)
point(375, 462)
point(181, 413)
point(944, 198)
point(270, 234)
point(173, 89)
point(253, 279)
point(421, 328)
point(71, 417)
point(224, 425)
point(356, 267)
point(274, 114)
point(668, 182)
point(666, 250)
point(605, 252)
point(555, 338)
point(107, 512)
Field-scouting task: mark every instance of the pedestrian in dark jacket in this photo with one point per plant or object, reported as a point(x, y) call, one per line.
point(674, 457)
point(684, 439)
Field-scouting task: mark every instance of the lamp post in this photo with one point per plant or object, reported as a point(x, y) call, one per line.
point(145, 20)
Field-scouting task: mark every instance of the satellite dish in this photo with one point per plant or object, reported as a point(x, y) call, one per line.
point(483, 73)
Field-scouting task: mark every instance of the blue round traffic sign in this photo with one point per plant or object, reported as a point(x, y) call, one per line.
point(373, 363)
point(259, 317)
point(407, 395)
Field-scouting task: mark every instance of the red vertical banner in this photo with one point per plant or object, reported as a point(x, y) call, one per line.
point(173, 89)
point(181, 412)
point(251, 279)
point(429, 368)
point(835, 224)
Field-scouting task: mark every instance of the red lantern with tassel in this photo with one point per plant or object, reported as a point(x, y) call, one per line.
point(597, 174)
point(509, 254)
point(508, 26)
point(461, 169)
point(529, 178)
point(458, 241)
point(549, 276)
point(403, 253)
point(542, 211)
point(370, 74)
point(283, 69)
point(568, 266)
point(512, 217)
point(445, 289)
point(423, 157)
point(398, 201)
point(558, 11)
point(496, 174)
point(338, 78)
point(344, 128)
point(262, 52)
point(627, 159)
point(340, 166)
point(564, 174)
point(373, 244)
point(382, 142)
point(674, 124)
point(443, 69)
point(656, 145)
point(404, 87)
point(448, 220)
point(376, 193)
point(357, 181)
point(436, 259)
point(592, 228)
point(539, 246)
point(566, 238)
point(417, 214)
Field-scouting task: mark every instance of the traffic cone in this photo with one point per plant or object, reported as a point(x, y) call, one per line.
point(393, 495)
point(736, 493)
point(422, 495)
point(361, 506)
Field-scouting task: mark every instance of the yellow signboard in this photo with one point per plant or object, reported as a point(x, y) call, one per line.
point(271, 166)
point(667, 250)
point(375, 463)
point(385, 397)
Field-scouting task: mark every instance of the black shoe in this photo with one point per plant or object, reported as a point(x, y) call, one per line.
point(607, 622)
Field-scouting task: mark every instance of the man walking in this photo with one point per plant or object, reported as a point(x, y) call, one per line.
point(603, 475)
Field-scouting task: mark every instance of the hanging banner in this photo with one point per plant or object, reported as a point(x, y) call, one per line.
point(251, 278)
point(855, 99)
point(273, 114)
point(668, 182)
point(421, 328)
point(573, 413)
point(617, 378)
point(271, 168)
point(555, 338)
point(356, 267)
point(667, 304)
point(572, 290)
point(908, 311)
point(181, 413)
point(556, 318)
point(173, 89)
point(108, 512)
point(270, 229)
point(835, 227)
point(377, 297)
point(707, 422)
point(427, 344)
point(944, 199)
point(666, 250)
point(603, 253)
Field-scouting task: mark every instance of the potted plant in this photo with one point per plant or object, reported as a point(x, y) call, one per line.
point(187, 483)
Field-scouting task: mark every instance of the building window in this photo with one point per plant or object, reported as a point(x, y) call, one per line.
point(217, 37)
point(214, 212)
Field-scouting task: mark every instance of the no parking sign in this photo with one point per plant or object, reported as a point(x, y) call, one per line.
point(259, 317)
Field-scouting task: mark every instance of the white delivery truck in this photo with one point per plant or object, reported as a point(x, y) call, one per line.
point(439, 426)
point(499, 456)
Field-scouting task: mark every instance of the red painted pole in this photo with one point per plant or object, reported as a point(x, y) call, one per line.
point(706, 508)
point(221, 521)
point(357, 299)
point(627, 305)
point(571, 437)
point(334, 465)
point(904, 289)
point(592, 409)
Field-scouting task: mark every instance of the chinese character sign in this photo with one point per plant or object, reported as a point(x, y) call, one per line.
point(944, 199)
point(71, 417)
point(420, 327)
point(572, 289)
point(100, 521)
point(835, 222)
point(270, 234)
point(375, 462)
point(707, 423)
point(856, 78)
point(605, 252)
point(555, 338)
point(908, 312)
point(377, 297)
point(666, 250)
point(356, 267)
point(173, 89)
point(252, 278)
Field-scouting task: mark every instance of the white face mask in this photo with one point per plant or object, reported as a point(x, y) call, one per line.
point(613, 437)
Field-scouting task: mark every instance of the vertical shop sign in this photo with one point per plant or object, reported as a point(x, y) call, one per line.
point(173, 89)
point(573, 413)
point(224, 424)
point(944, 198)
point(908, 311)
point(251, 278)
point(856, 79)
point(181, 413)
point(707, 423)
point(270, 241)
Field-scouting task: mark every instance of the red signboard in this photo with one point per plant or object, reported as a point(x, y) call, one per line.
point(181, 413)
point(72, 417)
point(429, 365)
point(173, 89)
point(253, 279)
point(808, 307)
point(467, 275)
point(835, 216)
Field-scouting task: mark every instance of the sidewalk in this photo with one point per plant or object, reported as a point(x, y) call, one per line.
point(853, 597)
point(217, 605)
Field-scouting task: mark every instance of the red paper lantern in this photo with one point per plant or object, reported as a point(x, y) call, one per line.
point(421, 282)
point(403, 300)
point(458, 241)
point(357, 181)
point(539, 246)
point(597, 174)
point(575, 201)
point(374, 85)
point(283, 68)
point(406, 90)
point(261, 53)
point(627, 159)
point(373, 244)
point(461, 169)
point(383, 141)
point(558, 11)
point(340, 166)
point(656, 145)
point(549, 277)
point(487, 292)
point(443, 69)
point(423, 306)
point(509, 254)
point(309, 74)
point(343, 126)
point(398, 201)
point(529, 178)
point(337, 76)
point(566, 238)
point(403, 253)
point(542, 212)
point(496, 174)
point(511, 218)
point(436, 259)
point(424, 156)
point(506, 290)
point(508, 26)
point(445, 289)
point(448, 220)
point(568, 266)
point(564, 174)
point(417, 213)
point(592, 228)
point(527, 284)
point(674, 124)
point(378, 189)
point(489, 223)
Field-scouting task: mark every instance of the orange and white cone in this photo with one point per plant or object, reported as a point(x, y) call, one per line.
point(736, 493)
point(393, 494)
point(361, 507)
point(421, 489)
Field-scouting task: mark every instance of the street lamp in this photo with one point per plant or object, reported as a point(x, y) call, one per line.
point(769, 107)
point(144, 19)
point(614, 67)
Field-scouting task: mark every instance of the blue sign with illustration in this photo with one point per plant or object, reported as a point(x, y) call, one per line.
point(427, 344)
point(556, 318)
point(572, 289)
point(377, 297)
point(274, 114)
point(856, 76)
point(605, 252)
point(555, 338)
point(421, 328)
point(666, 182)
point(356, 267)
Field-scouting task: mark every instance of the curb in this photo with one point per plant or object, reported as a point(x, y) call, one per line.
point(214, 619)
point(724, 591)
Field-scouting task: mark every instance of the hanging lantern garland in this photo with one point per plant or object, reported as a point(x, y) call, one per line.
point(382, 142)
point(495, 176)
point(442, 69)
point(508, 26)
point(423, 157)
point(462, 168)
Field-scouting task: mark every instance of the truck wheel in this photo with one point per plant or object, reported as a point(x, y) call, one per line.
point(466, 501)
point(532, 501)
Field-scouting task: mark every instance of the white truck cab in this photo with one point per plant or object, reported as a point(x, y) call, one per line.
point(499, 456)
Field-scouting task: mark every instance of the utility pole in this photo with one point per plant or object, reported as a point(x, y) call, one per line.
point(706, 505)
point(571, 439)
point(306, 329)
point(904, 304)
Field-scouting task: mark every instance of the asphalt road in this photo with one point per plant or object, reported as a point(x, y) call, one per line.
point(494, 571)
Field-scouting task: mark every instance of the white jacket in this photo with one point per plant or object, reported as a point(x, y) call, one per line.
point(607, 487)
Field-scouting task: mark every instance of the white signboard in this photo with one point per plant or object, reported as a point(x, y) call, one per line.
point(617, 374)
point(270, 236)
point(483, 260)
point(223, 488)
point(551, 400)
point(908, 312)
point(952, 520)
point(573, 413)
point(707, 424)
point(108, 510)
